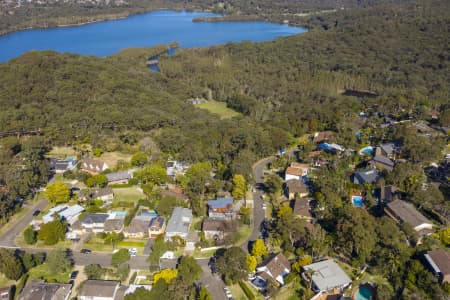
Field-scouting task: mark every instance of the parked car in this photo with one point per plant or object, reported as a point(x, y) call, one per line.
point(132, 251)
point(264, 206)
point(36, 213)
point(86, 251)
point(73, 275)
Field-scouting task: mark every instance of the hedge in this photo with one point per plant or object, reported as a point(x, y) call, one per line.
point(247, 290)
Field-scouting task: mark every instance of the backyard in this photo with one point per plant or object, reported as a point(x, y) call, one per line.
point(129, 194)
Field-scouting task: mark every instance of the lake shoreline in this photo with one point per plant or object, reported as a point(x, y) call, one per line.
point(125, 15)
point(101, 18)
point(162, 26)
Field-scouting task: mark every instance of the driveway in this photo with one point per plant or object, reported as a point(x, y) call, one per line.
point(7, 239)
point(212, 282)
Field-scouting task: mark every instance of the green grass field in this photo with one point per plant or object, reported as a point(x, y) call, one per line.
point(128, 194)
point(5, 281)
point(111, 158)
point(131, 244)
point(219, 108)
point(43, 272)
point(62, 152)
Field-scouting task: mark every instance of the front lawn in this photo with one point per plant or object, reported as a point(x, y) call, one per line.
point(43, 272)
point(242, 234)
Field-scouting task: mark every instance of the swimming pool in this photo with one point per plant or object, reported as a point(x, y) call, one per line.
point(366, 150)
point(120, 214)
point(357, 201)
point(363, 293)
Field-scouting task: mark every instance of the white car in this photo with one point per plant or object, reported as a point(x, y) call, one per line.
point(132, 251)
point(264, 206)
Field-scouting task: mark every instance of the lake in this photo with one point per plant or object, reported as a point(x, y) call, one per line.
point(144, 30)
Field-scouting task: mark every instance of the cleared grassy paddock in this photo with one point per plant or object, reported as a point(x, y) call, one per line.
point(219, 108)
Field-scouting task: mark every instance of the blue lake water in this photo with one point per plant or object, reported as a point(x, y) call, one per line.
point(149, 29)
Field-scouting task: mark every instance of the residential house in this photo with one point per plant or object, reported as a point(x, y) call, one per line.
point(402, 211)
point(173, 168)
point(41, 290)
point(326, 275)
point(295, 187)
point(390, 150)
point(66, 212)
point(157, 227)
point(221, 208)
point(114, 225)
point(332, 148)
point(138, 228)
point(323, 136)
point(304, 167)
point(131, 289)
point(60, 166)
point(192, 239)
point(179, 223)
point(293, 173)
point(120, 177)
point(93, 166)
point(177, 192)
point(302, 209)
point(382, 162)
point(439, 261)
point(6, 293)
point(94, 222)
point(215, 229)
point(275, 268)
point(366, 176)
point(388, 193)
point(100, 290)
point(104, 194)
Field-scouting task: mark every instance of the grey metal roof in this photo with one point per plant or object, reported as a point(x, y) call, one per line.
point(328, 275)
point(94, 218)
point(388, 148)
point(100, 288)
point(38, 289)
point(369, 175)
point(407, 213)
point(383, 160)
point(121, 175)
point(180, 220)
point(103, 192)
point(440, 261)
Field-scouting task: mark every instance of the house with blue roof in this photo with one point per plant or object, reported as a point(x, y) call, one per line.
point(221, 208)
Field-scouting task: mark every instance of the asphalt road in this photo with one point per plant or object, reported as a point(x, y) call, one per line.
point(7, 239)
point(258, 211)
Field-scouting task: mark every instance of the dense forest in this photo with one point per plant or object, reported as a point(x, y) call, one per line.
point(378, 59)
point(283, 88)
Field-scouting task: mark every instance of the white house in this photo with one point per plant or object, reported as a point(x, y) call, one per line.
point(276, 268)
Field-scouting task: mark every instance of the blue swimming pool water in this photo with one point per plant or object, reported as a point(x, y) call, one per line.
point(122, 214)
point(357, 201)
point(367, 150)
point(363, 293)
